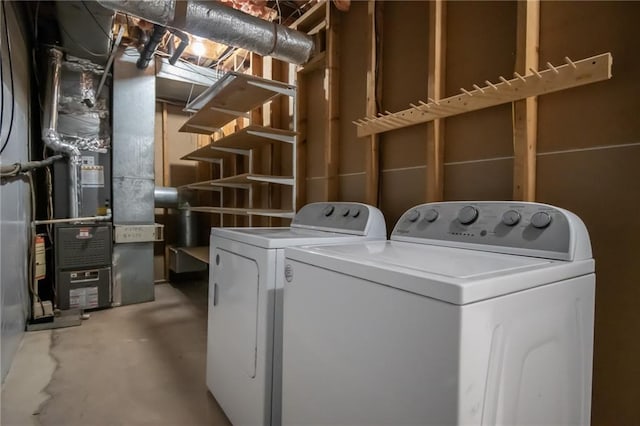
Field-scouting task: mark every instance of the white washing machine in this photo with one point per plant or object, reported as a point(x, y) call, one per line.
point(244, 337)
point(474, 313)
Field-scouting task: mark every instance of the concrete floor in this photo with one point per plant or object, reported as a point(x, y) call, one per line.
point(133, 365)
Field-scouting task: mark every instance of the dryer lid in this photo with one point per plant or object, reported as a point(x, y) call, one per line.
point(454, 275)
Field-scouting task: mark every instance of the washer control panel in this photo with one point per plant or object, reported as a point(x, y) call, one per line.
point(356, 218)
point(508, 224)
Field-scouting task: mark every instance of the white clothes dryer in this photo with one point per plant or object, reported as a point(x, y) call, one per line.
point(244, 336)
point(473, 313)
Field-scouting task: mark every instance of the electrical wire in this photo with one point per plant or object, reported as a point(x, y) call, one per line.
point(81, 46)
point(13, 98)
point(279, 12)
point(95, 20)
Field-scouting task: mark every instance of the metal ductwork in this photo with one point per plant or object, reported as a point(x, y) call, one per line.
point(168, 197)
point(50, 134)
point(223, 24)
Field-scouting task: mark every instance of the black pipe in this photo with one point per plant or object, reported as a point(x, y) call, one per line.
point(184, 42)
point(149, 49)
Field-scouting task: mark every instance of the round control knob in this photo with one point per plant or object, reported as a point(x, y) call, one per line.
point(541, 220)
point(328, 211)
point(413, 215)
point(344, 212)
point(431, 215)
point(355, 212)
point(511, 218)
point(468, 215)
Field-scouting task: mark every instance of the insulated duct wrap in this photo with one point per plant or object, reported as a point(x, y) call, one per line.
point(50, 135)
point(223, 24)
point(83, 119)
point(232, 27)
point(157, 11)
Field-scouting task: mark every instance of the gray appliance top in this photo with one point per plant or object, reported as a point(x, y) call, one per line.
point(510, 227)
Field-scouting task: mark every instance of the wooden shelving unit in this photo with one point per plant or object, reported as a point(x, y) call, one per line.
point(231, 97)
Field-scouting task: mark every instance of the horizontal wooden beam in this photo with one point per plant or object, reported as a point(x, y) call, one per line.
point(553, 79)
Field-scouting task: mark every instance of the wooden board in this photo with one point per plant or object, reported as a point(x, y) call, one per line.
point(240, 211)
point(525, 112)
point(332, 105)
point(435, 129)
point(374, 72)
point(231, 97)
point(243, 179)
point(404, 80)
point(577, 73)
point(254, 136)
point(208, 153)
point(201, 253)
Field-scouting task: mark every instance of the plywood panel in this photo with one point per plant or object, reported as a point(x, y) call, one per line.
point(353, 96)
point(352, 188)
point(315, 123)
point(481, 43)
point(486, 180)
point(602, 113)
point(597, 185)
point(181, 172)
point(404, 80)
point(401, 190)
point(315, 190)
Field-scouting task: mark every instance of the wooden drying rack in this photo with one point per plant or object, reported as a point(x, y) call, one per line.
point(553, 79)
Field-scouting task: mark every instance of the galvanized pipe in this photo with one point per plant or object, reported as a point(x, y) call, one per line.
point(166, 196)
point(223, 24)
point(51, 137)
point(188, 225)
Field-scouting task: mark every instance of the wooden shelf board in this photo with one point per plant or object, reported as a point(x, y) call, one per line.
point(229, 98)
point(201, 253)
point(245, 211)
point(207, 153)
point(203, 186)
point(255, 137)
point(282, 180)
point(244, 180)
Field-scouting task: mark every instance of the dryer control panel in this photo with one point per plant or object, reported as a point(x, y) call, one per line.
point(351, 218)
point(502, 226)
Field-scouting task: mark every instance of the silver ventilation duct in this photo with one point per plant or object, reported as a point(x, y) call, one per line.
point(223, 24)
point(50, 134)
point(169, 197)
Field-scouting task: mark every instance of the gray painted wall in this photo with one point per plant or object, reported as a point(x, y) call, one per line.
point(14, 194)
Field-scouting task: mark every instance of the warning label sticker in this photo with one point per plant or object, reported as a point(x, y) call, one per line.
point(92, 176)
point(85, 298)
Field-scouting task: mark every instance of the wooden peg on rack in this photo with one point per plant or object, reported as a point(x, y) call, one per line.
point(505, 81)
point(517, 75)
point(391, 116)
point(416, 107)
point(570, 62)
point(551, 67)
point(466, 92)
point(478, 88)
point(357, 123)
point(535, 72)
point(424, 104)
point(433, 101)
point(491, 84)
